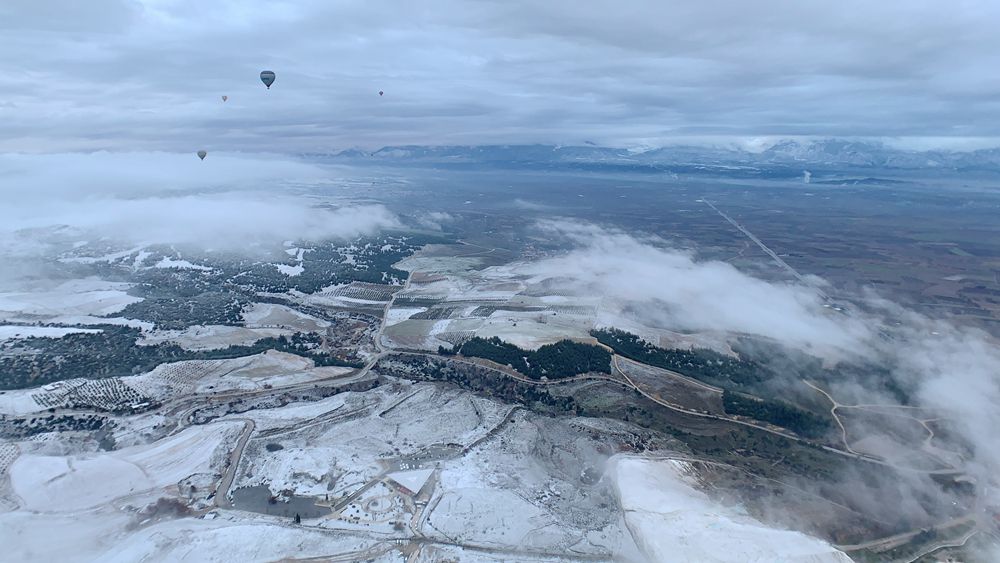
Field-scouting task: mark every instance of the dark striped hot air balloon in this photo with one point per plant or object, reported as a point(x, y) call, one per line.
point(202, 154)
point(267, 77)
point(224, 98)
point(380, 92)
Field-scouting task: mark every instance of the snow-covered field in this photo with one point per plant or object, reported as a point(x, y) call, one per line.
point(180, 265)
point(259, 315)
point(110, 533)
point(272, 368)
point(76, 297)
point(506, 482)
point(491, 484)
point(341, 450)
point(290, 271)
point(8, 332)
point(225, 540)
point(19, 402)
point(671, 520)
point(493, 301)
point(78, 482)
point(526, 310)
point(83, 508)
point(172, 380)
point(89, 506)
point(211, 337)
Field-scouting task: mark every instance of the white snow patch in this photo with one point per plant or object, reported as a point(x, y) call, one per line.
point(218, 540)
point(140, 257)
point(180, 265)
point(270, 315)
point(32, 536)
point(289, 271)
point(211, 337)
point(112, 257)
point(18, 402)
point(672, 521)
point(397, 315)
point(20, 331)
point(248, 373)
point(65, 484)
point(75, 297)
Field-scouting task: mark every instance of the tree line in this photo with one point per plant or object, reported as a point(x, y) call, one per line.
point(700, 363)
point(732, 374)
point(779, 413)
point(552, 361)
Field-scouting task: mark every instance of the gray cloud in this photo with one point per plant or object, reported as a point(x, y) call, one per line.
point(147, 75)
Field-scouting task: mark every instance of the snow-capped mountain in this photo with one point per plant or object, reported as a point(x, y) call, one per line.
point(825, 153)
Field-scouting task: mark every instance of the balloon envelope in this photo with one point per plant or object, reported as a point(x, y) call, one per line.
point(380, 92)
point(267, 77)
point(202, 154)
point(224, 98)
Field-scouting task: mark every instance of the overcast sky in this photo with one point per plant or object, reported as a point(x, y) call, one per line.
point(149, 74)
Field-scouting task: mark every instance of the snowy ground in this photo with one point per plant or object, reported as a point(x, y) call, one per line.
point(290, 271)
point(173, 380)
point(8, 332)
point(269, 315)
point(529, 311)
point(102, 536)
point(492, 485)
point(81, 506)
point(91, 508)
point(79, 482)
point(272, 368)
point(482, 482)
point(478, 480)
point(76, 297)
point(82, 320)
point(240, 539)
point(180, 265)
point(211, 337)
point(671, 520)
point(493, 301)
point(19, 402)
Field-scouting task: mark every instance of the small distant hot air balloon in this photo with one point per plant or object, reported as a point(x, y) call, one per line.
point(380, 92)
point(202, 154)
point(267, 77)
point(224, 98)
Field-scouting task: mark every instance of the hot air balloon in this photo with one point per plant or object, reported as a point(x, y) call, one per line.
point(202, 154)
point(380, 92)
point(267, 77)
point(224, 98)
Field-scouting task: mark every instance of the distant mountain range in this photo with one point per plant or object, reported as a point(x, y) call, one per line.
point(785, 156)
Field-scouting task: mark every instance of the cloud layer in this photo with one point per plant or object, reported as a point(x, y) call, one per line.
point(226, 202)
point(149, 74)
point(676, 290)
point(953, 368)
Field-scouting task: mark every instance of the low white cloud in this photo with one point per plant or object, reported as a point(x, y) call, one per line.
point(435, 220)
point(952, 368)
point(227, 202)
point(78, 176)
point(677, 290)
